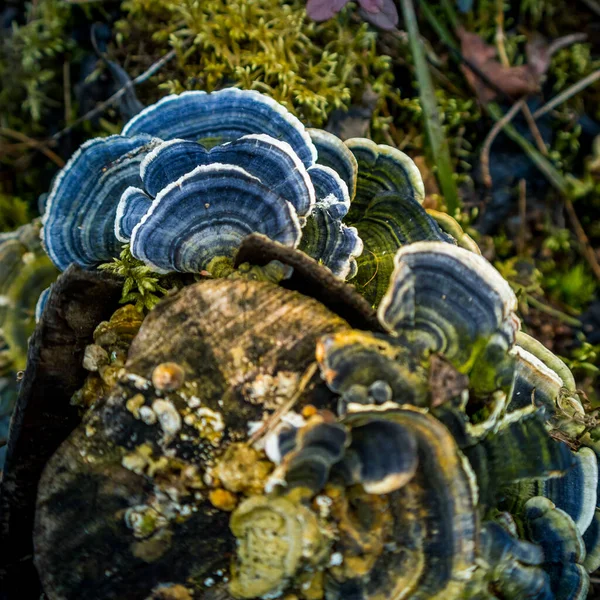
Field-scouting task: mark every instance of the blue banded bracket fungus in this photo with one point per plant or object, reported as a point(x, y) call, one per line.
point(347, 477)
point(194, 174)
point(243, 440)
point(191, 176)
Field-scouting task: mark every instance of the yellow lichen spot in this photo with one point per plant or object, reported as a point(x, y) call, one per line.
point(275, 536)
point(137, 460)
point(110, 374)
point(168, 376)
point(153, 548)
point(208, 423)
point(134, 404)
point(309, 411)
point(170, 591)
point(311, 585)
point(140, 461)
point(121, 329)
point(223, 499)
point(241, 469)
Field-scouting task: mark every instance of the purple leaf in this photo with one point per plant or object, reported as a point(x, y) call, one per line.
point(386, 18)
point(371, 6)
point(322, 10)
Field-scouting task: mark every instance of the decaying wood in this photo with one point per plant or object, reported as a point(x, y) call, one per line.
point(232, 338)
point(44, 416)
point(311, 279)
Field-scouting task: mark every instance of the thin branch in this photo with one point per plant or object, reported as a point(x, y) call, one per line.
point(276, 417)
point(31, 143)
point(535, 132)
point(491, 136)
point(67, 91)
point(554, 176)
point(568, 93)
point(587, 250)
point(553, 312)
point(102, 106)
point(564, 41)
point(594, 6)
point(522, 217)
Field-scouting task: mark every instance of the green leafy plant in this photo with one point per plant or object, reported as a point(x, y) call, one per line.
point(142, 286)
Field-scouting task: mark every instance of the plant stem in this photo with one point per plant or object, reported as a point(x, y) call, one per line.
point(500, 124)
point(450, 13)
point(437, 139)
point(102, 106)
point(554, 176)
point(566, 94)
point(439, 27)
point(500, 37)
point(553, 312)
point(586, 248)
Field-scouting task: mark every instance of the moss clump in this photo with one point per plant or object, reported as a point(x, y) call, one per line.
point(29, 60)
point(265, 45)
point(13, 212)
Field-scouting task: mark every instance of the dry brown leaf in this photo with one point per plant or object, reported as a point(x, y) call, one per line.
point(513, 81)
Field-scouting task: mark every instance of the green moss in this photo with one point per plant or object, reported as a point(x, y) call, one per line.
point(458, 116)
point(573, 286)
point(29, 60)
point(265, 45)
point(13, 212)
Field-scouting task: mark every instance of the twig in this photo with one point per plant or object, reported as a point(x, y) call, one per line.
point(587, 250)
point(568, 93)
point(41, 146)
point(553, 312)
point(102, 106)
point(554, 176)
point(491, 136)
point(67, 90)
point(437, 138)
point(564, 41)
point(500, 37)
point(276, 417)
point(522, 216)
point(595, 8)
point(535, 132)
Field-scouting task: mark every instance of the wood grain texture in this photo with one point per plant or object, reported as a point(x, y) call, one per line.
point(230, 337)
